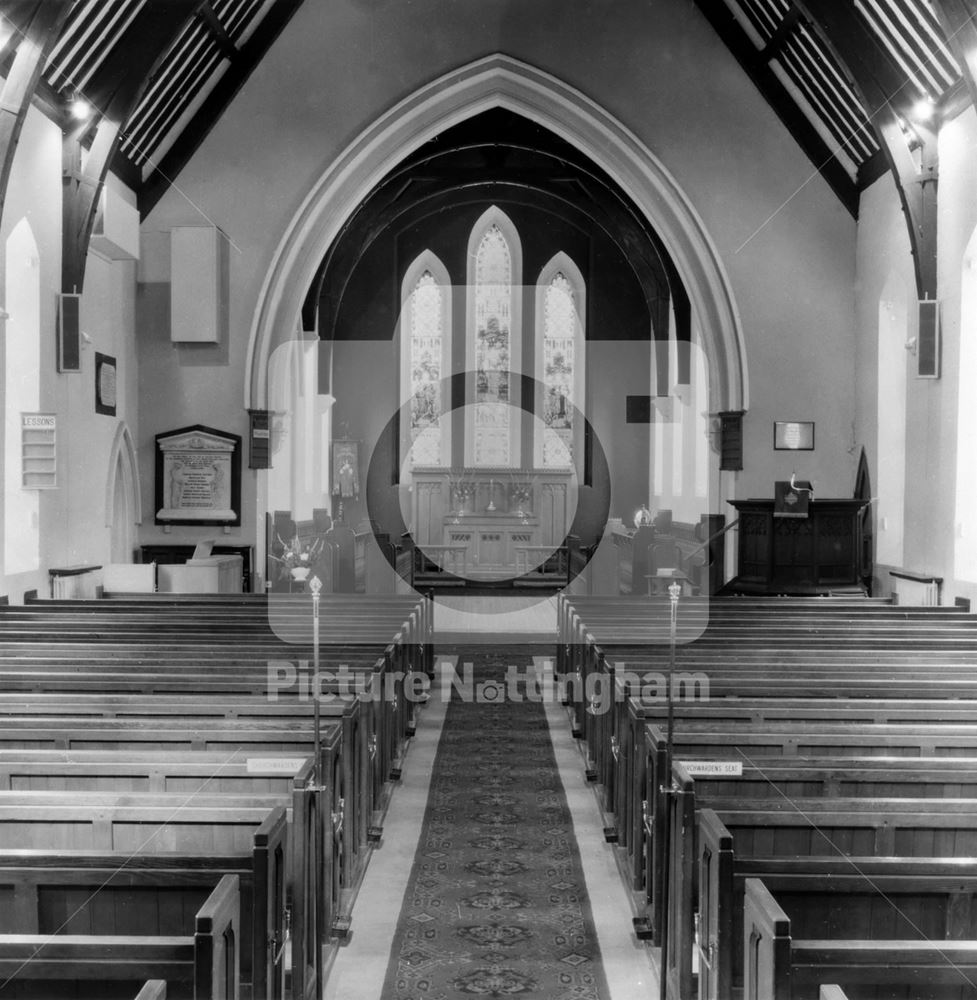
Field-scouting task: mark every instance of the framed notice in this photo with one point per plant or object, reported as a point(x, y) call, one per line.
point(793, 435)
point(39, 465)
point(105, 384)
point(198, 477)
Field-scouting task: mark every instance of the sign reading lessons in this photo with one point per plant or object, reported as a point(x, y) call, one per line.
point(198, 477)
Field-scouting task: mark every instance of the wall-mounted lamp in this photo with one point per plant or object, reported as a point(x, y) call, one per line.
point(924, 109)
point(80, 109)
point(911, 345)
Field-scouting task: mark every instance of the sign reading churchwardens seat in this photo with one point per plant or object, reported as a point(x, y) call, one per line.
point(198, 477)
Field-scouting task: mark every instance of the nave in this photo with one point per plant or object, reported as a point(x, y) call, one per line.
point(799, 821)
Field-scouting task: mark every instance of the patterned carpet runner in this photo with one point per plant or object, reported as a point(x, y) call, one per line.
point(496, 905)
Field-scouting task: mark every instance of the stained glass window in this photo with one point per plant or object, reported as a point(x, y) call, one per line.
point(493, 308)
point(559, 341)
point(425, 374)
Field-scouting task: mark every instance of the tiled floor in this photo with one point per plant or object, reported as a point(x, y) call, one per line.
point(359, 969)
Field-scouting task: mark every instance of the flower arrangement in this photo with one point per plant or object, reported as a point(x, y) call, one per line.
point(522, 493)
point(295, 555)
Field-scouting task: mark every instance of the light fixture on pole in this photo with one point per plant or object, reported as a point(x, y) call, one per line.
point(315, 586)
point(665, 783)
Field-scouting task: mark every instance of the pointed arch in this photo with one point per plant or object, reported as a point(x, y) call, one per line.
point(560, 279)
point(426, 286)
point(493, 341)
point(501, 81)
point(122, 458)
point(22, 394)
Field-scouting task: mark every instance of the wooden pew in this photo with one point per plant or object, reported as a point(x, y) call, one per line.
point(75, 832)
point(620, 742)
point(199, 963)
point(823, 834)
point(746, 744)
point(700, 854)
point(778, 967)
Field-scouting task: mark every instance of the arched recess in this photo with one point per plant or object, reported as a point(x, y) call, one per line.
point(22, 394)
point(965, 517)
point(890, 473)
point(123, 465)
point(501, 81)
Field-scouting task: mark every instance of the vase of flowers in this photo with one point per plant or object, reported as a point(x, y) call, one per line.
point(463, 493)
point(296, 557)
point(522, 494)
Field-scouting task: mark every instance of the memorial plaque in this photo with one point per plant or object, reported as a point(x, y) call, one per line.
point(198, 477)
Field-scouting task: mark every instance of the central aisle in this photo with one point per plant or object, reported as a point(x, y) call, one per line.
point(496, 902)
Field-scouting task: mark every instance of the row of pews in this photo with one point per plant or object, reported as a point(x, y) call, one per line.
point(811, 831)
point(166, 811)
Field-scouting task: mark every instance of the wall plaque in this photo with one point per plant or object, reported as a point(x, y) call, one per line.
point(105, 384)
point(198, 477)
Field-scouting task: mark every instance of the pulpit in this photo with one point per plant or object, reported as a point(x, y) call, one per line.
point(816, 554)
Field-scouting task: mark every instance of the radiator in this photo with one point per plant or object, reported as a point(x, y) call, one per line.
point(916, 589)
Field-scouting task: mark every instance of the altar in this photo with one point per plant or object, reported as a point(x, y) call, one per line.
point(491, 524)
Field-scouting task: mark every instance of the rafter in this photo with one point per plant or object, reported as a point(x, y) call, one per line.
point(882, 90)
point(248, 56)
point(958, 19)
point(217, 30)
point(113, 92)
point(38, 30)
point(757, 66)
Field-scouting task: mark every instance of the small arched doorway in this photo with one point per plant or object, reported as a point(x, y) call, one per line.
point(123, 507)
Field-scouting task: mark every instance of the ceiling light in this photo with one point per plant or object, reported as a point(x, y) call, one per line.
point(924, 109)
point(80, 109)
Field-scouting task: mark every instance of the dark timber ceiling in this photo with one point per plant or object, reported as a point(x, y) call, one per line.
point(802, 54)
point(209, 47)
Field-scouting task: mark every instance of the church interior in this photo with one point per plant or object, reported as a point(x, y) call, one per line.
point(485, 508)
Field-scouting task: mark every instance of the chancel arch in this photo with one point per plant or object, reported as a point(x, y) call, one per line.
point(488, 227)
point(500, 81)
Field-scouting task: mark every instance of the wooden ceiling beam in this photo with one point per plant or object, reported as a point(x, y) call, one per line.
point(784, 33)
point(167, 169)
point(757, 67)
point(38, 29)
point(207, 14)
point(957, 19)
point(113, 92)
point(882, 89)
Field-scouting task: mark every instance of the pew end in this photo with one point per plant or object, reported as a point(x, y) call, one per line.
point(217, 937)
point(766, 945)
point(153, 989)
